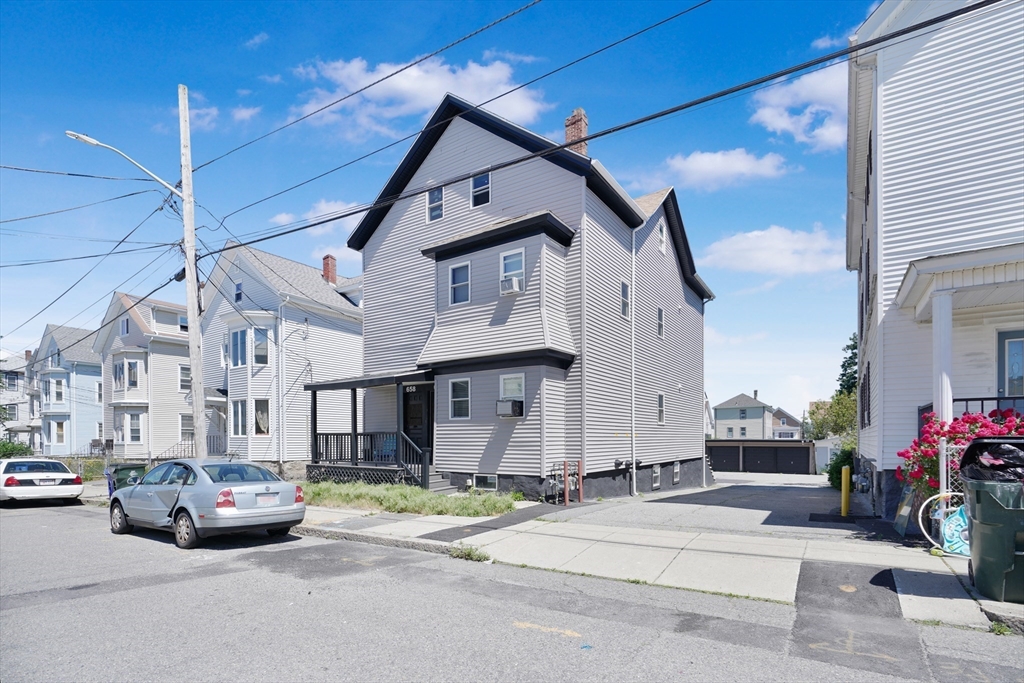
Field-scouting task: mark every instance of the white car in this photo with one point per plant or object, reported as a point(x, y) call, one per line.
point(37, 478)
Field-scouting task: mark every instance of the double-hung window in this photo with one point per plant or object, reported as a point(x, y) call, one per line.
point(261, 426)
point(512, 264)
point(661, 409)
point(184, 378)
point(743, 431)
point(119, 375)
point(661, 322)
point(513, 387)
point(187, 425)
point(238, 292)
point(124, 327)
point(238, 424)
point(11, 381)
point(135, 427)
point(625, 304)
point(238, 348)
point(12, 412)
point(46, 390)
point(435, 204)
point(661, 236)
point(58, 432)
point(481, 188)
point(182, 323)
point(728, 433)
point(58, 390)
point(458, 283)
point(743, 413)
point(133, 373)
point(99, 392)
point(260, 346)
point(459, 399)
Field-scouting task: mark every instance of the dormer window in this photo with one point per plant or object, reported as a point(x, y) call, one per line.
point(238, 292)
point(124, 327)
point(435, 204)
point(481, 187)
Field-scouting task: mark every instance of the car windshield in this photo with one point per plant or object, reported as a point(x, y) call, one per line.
point(36, 466)
point(238, 472)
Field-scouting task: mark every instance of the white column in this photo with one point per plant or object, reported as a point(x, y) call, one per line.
point(942, 354)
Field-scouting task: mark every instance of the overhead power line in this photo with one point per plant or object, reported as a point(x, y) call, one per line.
point(81, 258)
point(865, 46)
point(370, 85)
point(75, 238)
point(72, 175)
point(75, 208)
point(448, 120)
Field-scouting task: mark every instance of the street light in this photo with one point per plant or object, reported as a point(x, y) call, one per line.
point(191, 281)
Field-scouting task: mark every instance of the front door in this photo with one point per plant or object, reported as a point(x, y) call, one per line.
point(419, 414)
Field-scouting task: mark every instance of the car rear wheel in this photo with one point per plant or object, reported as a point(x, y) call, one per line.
point(185, 535)
point(118, 523)
point(284, 531)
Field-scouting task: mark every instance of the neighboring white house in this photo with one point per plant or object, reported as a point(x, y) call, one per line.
point(785, 426)
point(146, 378)
point(15, 400)
point(270, 326)
point(65, 374)
point(743, 417)
point(935, 222)
point(527, 315)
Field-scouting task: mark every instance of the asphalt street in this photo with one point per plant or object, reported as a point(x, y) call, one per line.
point(80, 604)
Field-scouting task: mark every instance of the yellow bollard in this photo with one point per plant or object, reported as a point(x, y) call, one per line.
point(846, 491)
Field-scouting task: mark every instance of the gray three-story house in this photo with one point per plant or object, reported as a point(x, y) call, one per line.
point(525, 315)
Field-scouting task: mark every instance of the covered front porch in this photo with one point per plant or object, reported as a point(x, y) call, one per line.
point(397, 447)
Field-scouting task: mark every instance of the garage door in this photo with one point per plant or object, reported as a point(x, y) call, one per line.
point(724, 458)
point(793, 460)
point(760, 459)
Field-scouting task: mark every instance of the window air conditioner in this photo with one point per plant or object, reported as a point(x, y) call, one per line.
point(510, 408)
point(511, 285)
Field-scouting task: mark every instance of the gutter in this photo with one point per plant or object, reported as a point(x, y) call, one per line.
point(632, 360)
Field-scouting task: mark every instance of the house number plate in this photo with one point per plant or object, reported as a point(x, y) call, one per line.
point(410, 390)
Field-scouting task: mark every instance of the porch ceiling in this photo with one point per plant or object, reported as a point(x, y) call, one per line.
point(984, 277)
point(372, 380)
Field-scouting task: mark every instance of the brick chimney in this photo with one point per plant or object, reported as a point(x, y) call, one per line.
point(28, 355)
point(576, 128)
point(755, 394)
point(331, 269)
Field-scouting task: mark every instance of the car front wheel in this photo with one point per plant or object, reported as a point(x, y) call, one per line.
point(185, 535)
point(118, 523)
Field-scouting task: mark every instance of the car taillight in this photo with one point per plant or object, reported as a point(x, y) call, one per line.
point(11, 481)
point(225, 499)
point(299, 497)
point(78, 480)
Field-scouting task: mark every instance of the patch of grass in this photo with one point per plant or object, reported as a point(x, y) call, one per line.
point(468, 552)
point(517, 496)
point(401, 498)
point(637, 581)
point(1000, 629)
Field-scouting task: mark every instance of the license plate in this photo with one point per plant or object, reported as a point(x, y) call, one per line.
point(266, 499)
point(47, 482)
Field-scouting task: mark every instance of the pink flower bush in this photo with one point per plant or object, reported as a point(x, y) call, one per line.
point(921, 460)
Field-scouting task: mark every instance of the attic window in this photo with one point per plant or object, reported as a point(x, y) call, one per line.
point(661, 236)
point(481, 186)
point(238, 292)
point(183, 323)
point(435, 204)
point(124, 327)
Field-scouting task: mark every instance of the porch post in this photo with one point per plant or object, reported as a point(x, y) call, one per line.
point(942, 354)
point(355, 430)
point(313, 446)
point(400, 421)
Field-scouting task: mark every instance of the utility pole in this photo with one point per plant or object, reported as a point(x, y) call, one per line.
point(195, 353)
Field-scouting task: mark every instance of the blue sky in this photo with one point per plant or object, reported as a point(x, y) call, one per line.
point(760, 177)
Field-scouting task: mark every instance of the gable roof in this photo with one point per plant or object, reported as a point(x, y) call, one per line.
point(666, 197)
point(121, 302)
point(599, 180)
point(742, 401)
point(297, 280)
point(780, 413)
point(65, 338)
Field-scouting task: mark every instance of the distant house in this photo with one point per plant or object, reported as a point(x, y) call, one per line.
point(146, 378)
point(528, 315)
point(785, 426)
point(66, 375)
point(935, 223)
point(272, 325)
point(743, 417)
point(15, 399)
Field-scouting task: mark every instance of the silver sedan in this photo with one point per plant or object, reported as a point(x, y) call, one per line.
point(195, 500)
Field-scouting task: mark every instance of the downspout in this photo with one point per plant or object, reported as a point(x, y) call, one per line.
point(280, 383)
point(73, 426)
point(632, 360)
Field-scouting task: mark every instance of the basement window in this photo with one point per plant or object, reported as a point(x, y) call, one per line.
point(485, 482)
point(675, 472)
point(656, 477)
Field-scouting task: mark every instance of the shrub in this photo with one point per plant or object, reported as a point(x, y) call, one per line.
point(921, 460)
point(14, 449)
point(836, 465)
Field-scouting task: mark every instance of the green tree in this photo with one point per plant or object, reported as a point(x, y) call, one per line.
point(848, 370)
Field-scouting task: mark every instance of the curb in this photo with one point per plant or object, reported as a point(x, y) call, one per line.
point(437, 547)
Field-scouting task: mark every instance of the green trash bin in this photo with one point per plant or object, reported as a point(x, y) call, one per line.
point(995, 524)
point(126, 473)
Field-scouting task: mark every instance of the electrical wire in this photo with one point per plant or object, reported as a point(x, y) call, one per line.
point(768, 79)
point(476, 107)
point(72, 175)
point(57, 236)
point(370, 85)
point(81, 258)
point(75, 208)
point(94, 267)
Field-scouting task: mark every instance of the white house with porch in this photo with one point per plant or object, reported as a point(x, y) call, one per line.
point(935, 222)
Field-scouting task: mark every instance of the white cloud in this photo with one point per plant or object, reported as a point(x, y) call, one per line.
point(244, 113)
point(757, 289)
point(811, 108)
point(414, 92)
point(510, 57)
point(204, 119)
point(276, 78)
point(242, 92)
point(325, 206)
point(256, 41)
point(306, 72)
point(283, 218)
point(161, 128)
point(826, 42)
point(777, 251)
point(714, 170)
point(197, 97)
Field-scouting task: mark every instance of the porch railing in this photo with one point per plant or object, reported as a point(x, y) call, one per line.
point(381, 449)
point(186, 448)
point(983, 405)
